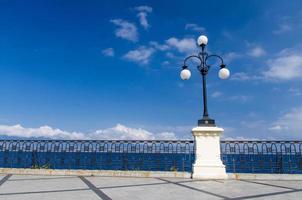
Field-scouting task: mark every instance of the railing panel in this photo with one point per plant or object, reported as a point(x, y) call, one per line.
point(98, 154)
point(262, 156)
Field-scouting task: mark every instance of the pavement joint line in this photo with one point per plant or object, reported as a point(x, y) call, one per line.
point(145, 184)
point(44, 191)
point(267, 184)
point(97, 191)
point(196, 189)
point(5, 178)
point(265, 195)
point(218, 181)
point(38, 179)
point(137, 185)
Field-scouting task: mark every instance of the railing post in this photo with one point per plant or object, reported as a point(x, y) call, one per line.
point(208, 164)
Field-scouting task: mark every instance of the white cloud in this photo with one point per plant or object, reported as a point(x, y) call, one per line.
point(43, 131)
point(216, 94)
point(144, 9)
point(141, 55)
point(257, 52)
point(243, 76)
point(170, 55)
point(161, 47)
point(185, 45)
point(240, 98)
point(122, 132)
point(142, 15)
point(295, 91)
point(275, 128)
point(286, 66)
point(166, 136)
point(119, 132)
point(250, 128)
point(125, 30)
point(229, 57)
point(108, 52)
point(282, 28)
point(240, 138)
point(194, 27)
point(289, 123)
point(165, 62)
point(240, 76)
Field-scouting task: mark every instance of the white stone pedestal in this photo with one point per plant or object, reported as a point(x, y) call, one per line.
point(208, 164)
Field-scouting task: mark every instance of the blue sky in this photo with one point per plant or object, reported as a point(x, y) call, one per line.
point(110, 69)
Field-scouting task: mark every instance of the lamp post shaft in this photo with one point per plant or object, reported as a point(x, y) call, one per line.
point(206, 120)
point(204, 91)
point(204, 72)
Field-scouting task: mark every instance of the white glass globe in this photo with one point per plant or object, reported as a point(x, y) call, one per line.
point(224, 73)
point(185, 74)
point(202, 40)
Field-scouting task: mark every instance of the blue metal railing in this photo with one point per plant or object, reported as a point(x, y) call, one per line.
point(262, 156)
point(152, 155)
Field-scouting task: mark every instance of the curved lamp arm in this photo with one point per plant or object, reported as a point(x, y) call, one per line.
point(222, 65)
point(189, 57)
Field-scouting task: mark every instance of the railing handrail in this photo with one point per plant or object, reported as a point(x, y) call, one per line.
point(261, 141)
point(62, 140)
point(174, 141)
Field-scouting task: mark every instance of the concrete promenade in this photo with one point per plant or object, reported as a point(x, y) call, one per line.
point(33, 187)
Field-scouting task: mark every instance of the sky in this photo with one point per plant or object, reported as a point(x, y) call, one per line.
point(110, 69)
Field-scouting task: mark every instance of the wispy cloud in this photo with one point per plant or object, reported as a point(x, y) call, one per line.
point(165, 63)
point(245, 130)
point(185, 45)
point(287, 65)
point(125, 30)
point(284, 66)
point(289, 123)
point(216, 94)
point(229, 57)
point(237, 98)
point(283, 28)
point(240, 98)
point(108, 52)
point(295, 91)
point(195, 27)
point(243, 76)
point(175, 48)
point(40, 132)
point(142, 15)
point(170, 55)
point(257, 52)
point(141, 55)
point(118, 132)
point(236, 138)
point(161, 47)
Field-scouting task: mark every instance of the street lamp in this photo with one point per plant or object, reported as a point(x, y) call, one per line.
point(204, 68)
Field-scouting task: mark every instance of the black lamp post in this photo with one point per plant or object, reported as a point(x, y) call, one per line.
point(204, 68)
